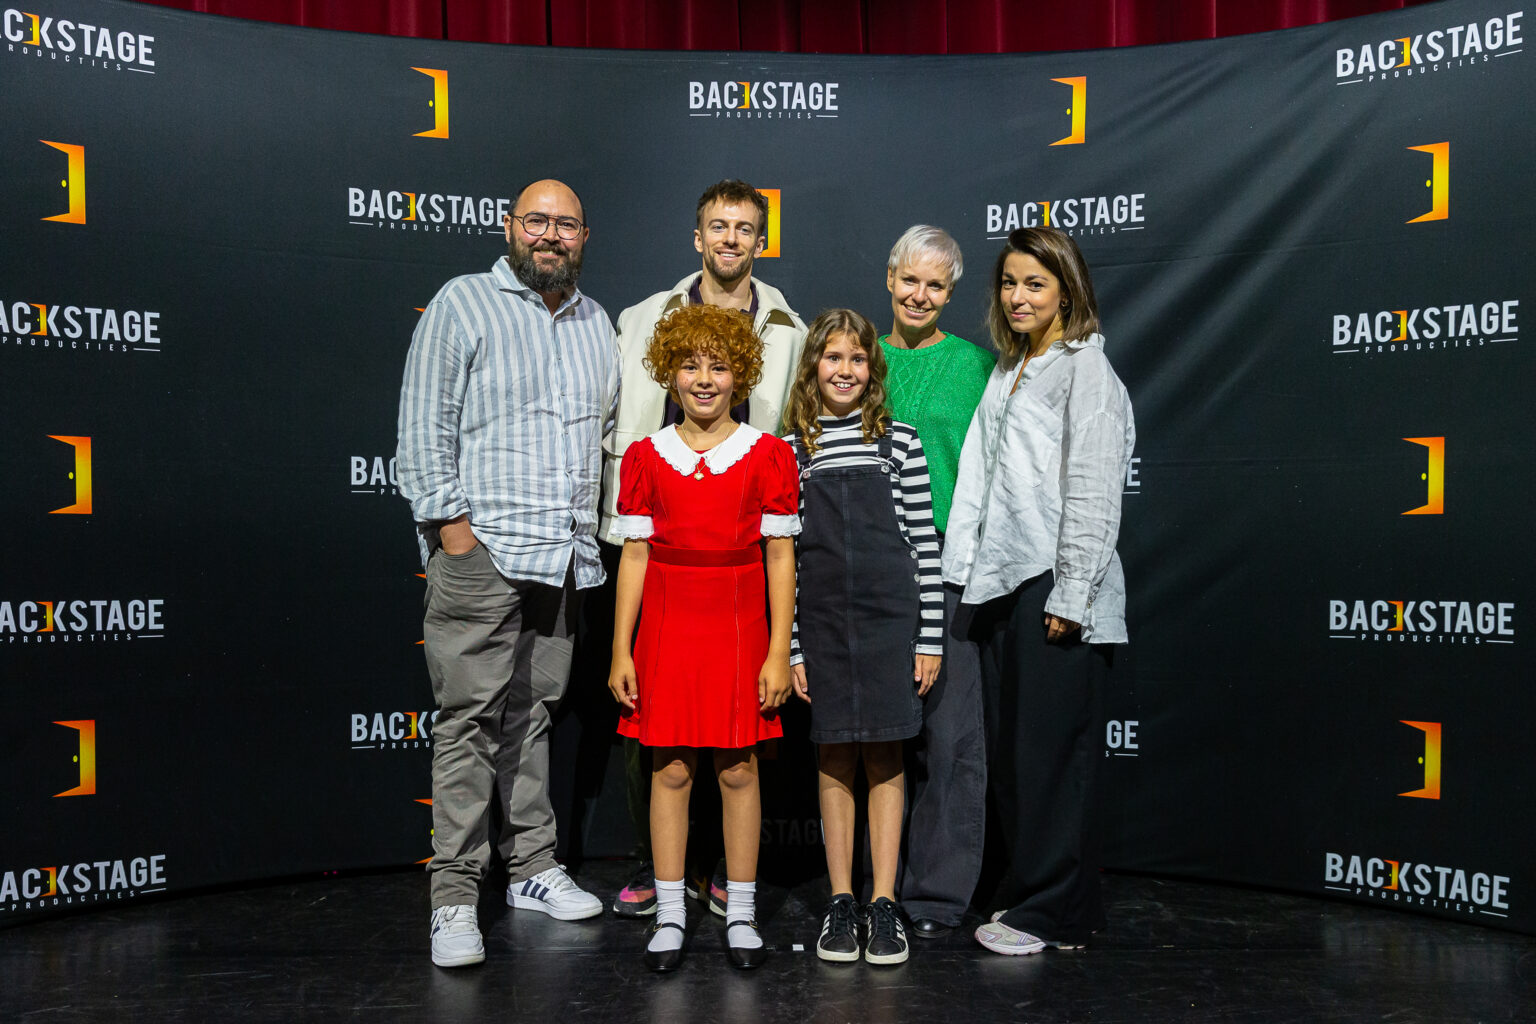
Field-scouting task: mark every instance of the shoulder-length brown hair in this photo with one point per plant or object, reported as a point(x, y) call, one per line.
point(805, 393)
point(1060, 255)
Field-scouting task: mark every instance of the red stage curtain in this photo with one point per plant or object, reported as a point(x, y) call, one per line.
point(803, 26)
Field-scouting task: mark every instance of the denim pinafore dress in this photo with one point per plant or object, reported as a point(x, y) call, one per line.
point(859, 607)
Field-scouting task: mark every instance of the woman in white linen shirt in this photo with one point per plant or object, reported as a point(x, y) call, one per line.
point(1032, 540)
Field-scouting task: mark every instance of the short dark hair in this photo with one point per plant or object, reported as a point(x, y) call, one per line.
point(733, 190)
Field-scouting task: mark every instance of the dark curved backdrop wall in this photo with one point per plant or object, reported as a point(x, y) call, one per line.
point(1312, 249)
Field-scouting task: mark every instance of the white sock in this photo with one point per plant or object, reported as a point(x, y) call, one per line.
point(671, 908)
point(741, 905)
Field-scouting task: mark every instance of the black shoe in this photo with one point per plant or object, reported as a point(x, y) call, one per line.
point(887, 937)
point(928, 928)
point(664, 960)
point(744, 957)
point(839, 940)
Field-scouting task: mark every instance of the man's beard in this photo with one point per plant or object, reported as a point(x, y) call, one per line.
point(559, 278)
point(725, 275)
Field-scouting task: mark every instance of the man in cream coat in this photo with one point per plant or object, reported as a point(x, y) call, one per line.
point(732, 218)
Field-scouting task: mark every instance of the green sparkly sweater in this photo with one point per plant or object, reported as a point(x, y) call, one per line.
point(937, 389)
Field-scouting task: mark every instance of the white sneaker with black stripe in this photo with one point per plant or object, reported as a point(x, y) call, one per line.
point(456, 938)
point(552, 892)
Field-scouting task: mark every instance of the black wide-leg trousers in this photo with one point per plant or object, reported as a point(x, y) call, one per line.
point(1043, 706)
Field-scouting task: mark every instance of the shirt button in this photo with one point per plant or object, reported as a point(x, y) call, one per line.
point(915, 579)
point(912, 553)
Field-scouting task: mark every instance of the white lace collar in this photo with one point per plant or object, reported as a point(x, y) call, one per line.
point(671, 447)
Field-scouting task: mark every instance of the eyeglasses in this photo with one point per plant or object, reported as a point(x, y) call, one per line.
point(537, 225)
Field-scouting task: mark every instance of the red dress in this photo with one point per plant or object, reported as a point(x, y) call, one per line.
point(703, 633)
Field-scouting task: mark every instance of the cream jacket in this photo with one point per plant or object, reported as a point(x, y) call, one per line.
point(642, 400)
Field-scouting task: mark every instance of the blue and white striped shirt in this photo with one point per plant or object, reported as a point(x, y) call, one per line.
point(502, 415)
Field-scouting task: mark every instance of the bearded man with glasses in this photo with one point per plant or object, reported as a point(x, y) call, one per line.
point(511, 382)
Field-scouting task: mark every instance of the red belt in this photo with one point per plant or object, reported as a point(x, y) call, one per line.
point(667, 555)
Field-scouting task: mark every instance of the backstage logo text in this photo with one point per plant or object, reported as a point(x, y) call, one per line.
point(1133, 476)
point(1424, 620)
point(1447, 327)
point(1443, 49)
point(1410, 883)
point(392, 730)
point(744, 99)
point(70, 43)
point(81, 620)
point(1105, 214)
point(1122, 738)
point(88, 882)
point(434, 212)
point(378, 474)
point(76, 327)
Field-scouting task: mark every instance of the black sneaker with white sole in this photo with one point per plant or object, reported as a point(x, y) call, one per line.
point(887, 935)
point(839, 941)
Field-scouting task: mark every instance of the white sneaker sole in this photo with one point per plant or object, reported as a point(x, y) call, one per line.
point(834, 957)
point(888, 958)
point(649, 911)
point(1005, 945)
point(1010, 950)
point(1053, 945)
point(522, 902)
point(462, 960)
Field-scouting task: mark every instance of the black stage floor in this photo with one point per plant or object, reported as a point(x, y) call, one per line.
point(356, 949)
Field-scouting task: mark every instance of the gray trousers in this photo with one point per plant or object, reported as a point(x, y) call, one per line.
point(947, 787)
point(499, 655)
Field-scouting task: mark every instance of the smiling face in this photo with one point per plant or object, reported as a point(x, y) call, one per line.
point(704, 384)
point(730, 238)
point(919, 291)
point(546, 263)
point(842, 374)
point(1031, 298)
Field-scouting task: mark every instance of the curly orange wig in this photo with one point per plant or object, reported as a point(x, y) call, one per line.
point(706, 330)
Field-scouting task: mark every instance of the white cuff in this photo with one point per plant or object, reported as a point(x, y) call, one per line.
point(1070, 599)
point(633, 527)
point(779, 526)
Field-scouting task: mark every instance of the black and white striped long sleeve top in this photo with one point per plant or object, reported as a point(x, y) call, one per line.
point(842, 444)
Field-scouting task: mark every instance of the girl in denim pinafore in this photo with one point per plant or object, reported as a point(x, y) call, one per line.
point(869, 613)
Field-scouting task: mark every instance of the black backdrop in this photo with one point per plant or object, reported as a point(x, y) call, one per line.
point(1312, 249)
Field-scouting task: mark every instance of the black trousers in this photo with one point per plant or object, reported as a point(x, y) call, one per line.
point(1043, 707)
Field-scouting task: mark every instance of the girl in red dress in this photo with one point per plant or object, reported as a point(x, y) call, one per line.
point(708, 509)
